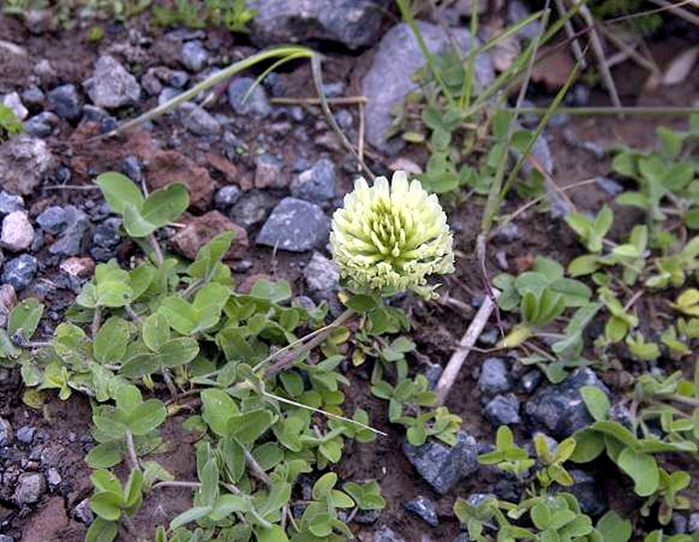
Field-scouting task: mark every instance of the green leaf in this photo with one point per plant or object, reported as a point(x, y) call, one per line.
point(589, 445)
point(274, 534)
point(642, 468)
point(135, 225)
point(156, 332)
point(248, 426)
point(106, 505)
point(614, 528)
point(101, 530)
point(217, 409)
point(193, 514)
point(361, 303)
point(140, 365)
point(176, 352)
point(210, 254)
point(104, 455)
point(111, 341)
point(323, 486)
point(228, 504)
point(24, 318)
point(119, 191)
point(596, 401)
point(165, 205)
point(146, 417)
point(275, 292)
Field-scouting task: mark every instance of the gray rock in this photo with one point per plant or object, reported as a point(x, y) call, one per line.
point(30, 487)
point(5, 538)
point(178, 78)
point(610, 186)
point(503, 410)
point(33, 97)
point(65, 102)
point(132, 168)
point(443, 466)
point(390, 77)
point(25, 434)
point(226, 197)
point(494, 376)
point(71, 240)
point(693, 525)
point(105, 239)
point(559, 409)
point(53, 220)
point(198, 120)
point(53, 477)
point(530, 380)
point(507, 234)
point(111, 86)
point(255, 104)
point(41, 125)
point(92, 113)
point(6, 434)
point(167, 94)
point(679, 524)
point(13, 102)
point(322, 277)
point(19, 272)
point(194, 56)
point(386, 534)
point(367, 517)
point(516, 11)
point(463, 537)
point(423, 508)
point(17, 232)
point(354, 23)
point(295, 225)
point(83, 513)
point(268, 172)
point(151, 84)
point(24, 162)
point(252, 208)
point(9, 203)
point(345, 119)
point(316, 184)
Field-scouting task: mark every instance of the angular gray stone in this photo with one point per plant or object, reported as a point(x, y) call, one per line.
point(295, 225)
point(9, 203)
point(83, 513)
point(322, 276)
point(6, 434)
point(443, 466)
point(316, 184)
point(13, 102)
point(194, 56)
point(354, 23)
point(693, 525)
point(53, 220)
point(24, 162)
point(390, 77)
point(252, 208)
point(17, 232)
point(559, 410)
point(424, 509)
point(494, 376)
point(198, 120)
point(502, 410)
point(41, 125)
point(19, 272)
point(386, 534)
point(268, 172)
point(226, 197)
point(255, 104)
point(30, 487)
point(33, 96)
point(25, 434)
point(70, 243)
point(111, 86)
point(65, 102)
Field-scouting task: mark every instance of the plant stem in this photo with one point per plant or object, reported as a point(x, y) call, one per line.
point(292, 356)
point(156, 250)
point(96, 322)
point(131, 451)
point(255, 469)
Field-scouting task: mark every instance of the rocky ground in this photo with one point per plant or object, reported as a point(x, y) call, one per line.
point(273, 173)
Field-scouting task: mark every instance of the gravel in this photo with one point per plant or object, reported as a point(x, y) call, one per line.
point(252, 208)
point(25, 434)
point(30, 487)
point(316, 184)
point(424, 509)
point(198, 120)
point(322, 277)
point(443, 466)
point(24, 163)
point(111, 86)
point(269, 172)
point(6, 434)
point(53, 220)
point(65, 102)
point(41, 125)
point(255, 104)
point(494, 377)
point(295, 225)
point(502, 410)
point(17, 232)
point(226, 197)
point(70, 243)
point(19, 272)
point(194, 56)
point(13, 102)
point(9, 203)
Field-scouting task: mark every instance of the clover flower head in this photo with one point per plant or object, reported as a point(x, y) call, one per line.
point(389, 238)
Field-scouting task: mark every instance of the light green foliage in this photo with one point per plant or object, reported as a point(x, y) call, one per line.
point(111, 500)
point(9, 125)
point(232, 14)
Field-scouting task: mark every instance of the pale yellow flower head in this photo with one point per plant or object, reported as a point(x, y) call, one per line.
point(389, 238)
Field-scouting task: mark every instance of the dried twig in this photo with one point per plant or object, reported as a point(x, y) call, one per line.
point(342, 100)
point(451, 371)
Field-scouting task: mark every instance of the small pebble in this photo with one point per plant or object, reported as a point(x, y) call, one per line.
point(17, 232)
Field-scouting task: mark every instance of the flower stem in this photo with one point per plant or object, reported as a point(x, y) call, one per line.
point(286, 361)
